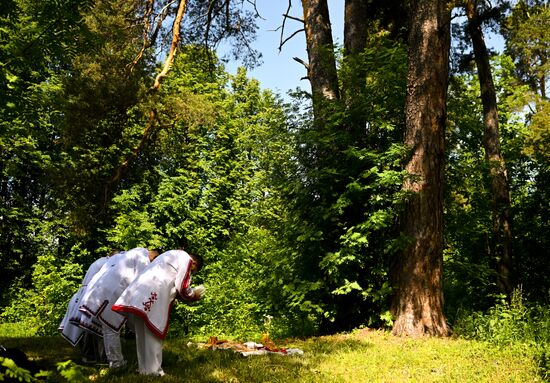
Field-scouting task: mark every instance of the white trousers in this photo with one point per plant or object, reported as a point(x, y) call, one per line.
point(113, 349)
point(149, 349)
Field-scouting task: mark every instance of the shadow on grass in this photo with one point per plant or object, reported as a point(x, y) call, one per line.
point(188, 363)
point(205, 365)
point(46, 351)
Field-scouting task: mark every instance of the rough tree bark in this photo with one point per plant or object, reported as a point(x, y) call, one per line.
point(502, 234)
point(355, 26)
point(322, 63)
point(355, 42)
point(417, 272)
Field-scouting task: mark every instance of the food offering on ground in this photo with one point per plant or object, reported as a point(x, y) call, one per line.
point(247, 348)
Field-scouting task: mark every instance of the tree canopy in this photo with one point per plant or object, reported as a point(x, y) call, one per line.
point(121, 126)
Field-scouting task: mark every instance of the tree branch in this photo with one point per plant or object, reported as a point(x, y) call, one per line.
point(289, 37)
point(301, 62)
point(153, 120)
point(146, 43)
point(174, 46)
point(254, 5)
point(286, 15)
point(283, 25)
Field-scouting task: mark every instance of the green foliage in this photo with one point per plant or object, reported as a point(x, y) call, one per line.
point(507, 323)
point(524, 135)
point(133, 226)
point(41, 50)
point(42, 307)
point(234, 303)
point(104, 107)
point(538, 139)
point(469, 271)
point(210, 190)
point(344, 198)
point(25, 132)
point(527, 36)
point(518, 323)
point(72, 372)
point(297, 222)
point(13, 371)
point(469, 276)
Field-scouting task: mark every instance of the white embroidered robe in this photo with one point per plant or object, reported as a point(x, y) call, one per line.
point(115, 275)
point(151, 294)
point(69, 326)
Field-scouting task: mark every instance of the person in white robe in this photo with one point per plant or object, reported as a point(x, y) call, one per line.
point(103, 290)
point(69, 330)
point(149, 300)
point(91, 346)
point(83, 319)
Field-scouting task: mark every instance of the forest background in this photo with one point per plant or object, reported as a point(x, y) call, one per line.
point(120, 127)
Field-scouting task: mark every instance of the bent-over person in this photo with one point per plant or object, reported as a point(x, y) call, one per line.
point(149, 299)
point(104, 289)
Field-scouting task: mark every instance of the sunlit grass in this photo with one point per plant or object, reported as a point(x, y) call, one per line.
point(391, 359)
point(16, 330)
point(360, 356)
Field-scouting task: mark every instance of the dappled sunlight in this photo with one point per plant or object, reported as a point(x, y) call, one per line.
point(359, 356)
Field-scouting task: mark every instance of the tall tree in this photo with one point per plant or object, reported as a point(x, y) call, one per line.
point(418, 298)
point(75, 75)
point(321, 68)
point(501, 246)
point(97, 94)
point(526, 35)
point(355, 42)
point(36, 39)
point(355, 27)
point(122, 91)
point(344, 163)
point(201, 22)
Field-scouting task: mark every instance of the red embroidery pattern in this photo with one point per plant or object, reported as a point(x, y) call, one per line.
point(147, 305)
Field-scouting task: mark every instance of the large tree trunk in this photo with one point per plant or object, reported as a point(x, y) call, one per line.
point(417, 273)
point(355, 26)
point(322, 63)
point(502, 234)
point(354, 86)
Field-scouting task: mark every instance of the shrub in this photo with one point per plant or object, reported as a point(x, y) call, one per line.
point(42, 307)
point(11, 370)
point(517, 324)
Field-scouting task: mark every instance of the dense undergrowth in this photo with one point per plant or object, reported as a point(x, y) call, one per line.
point(517, 324)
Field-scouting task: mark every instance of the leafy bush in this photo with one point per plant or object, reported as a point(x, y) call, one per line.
point(71, 371)
point(42, 307)
point(239, 300)
point(511, 324)
point(12, 370)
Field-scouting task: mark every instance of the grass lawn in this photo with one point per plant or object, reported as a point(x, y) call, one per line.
point(360, 356)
